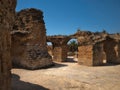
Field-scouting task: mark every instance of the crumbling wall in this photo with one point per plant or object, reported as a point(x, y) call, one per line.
point(110, 48)
point(57, 54)
point(60, 53)
point(50, 49)
point(85, 55)
point(118, 59)
point(64, 52)
point(99, 56)
point(7, 12)
point(91, 55)
point(30, 51)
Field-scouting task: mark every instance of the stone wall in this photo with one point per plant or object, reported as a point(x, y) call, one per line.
point(111, 47)
point(59, 46)
point(118, 59)
point(60, 53)
point(50, 49)
point(85, 55)
point(29, 40)
point(91, 55)
point(7, 12)
point(99, 55)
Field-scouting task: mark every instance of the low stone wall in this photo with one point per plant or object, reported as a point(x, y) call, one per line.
point(7, 14)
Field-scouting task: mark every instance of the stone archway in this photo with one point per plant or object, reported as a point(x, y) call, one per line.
point(59, 47)
point(72, 54)
point(111, 48)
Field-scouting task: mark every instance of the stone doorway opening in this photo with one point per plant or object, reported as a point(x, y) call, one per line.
point(50, 48)
point(72, 50)
point(111, 49)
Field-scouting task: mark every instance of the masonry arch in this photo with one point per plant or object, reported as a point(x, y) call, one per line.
point(72, 52)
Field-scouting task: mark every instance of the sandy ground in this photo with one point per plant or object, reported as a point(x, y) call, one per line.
point(68, 76)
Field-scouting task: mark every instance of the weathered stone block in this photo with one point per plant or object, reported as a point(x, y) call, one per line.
point(29, 40)
point(60, 53)
point(85, 55)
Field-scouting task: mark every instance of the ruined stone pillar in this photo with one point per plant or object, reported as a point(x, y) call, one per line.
point(85, 55)
point(7, 12)
point(59, 53)
point(110, 48)
point(29, 40)
point(118, 52)
point(99, 57)
point(91, 55)
point(59, 47)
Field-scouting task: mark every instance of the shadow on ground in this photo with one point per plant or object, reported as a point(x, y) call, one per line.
point(58, 65)
point(107, 64)
point(17, 84)
point(71, 60)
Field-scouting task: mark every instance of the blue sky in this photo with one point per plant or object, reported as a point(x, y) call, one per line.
point(66, 16)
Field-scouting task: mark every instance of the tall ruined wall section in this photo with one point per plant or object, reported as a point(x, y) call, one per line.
point(85, 55)
point(29, 40)
point(90, 50)
point(7, 12)
point(99, 55)
point(112, 49)
point(102, 47)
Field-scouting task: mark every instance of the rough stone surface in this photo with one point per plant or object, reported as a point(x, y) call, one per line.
point(99, 55)
point(104, 49)
point(95, 48)
point(7, 14)
point(85, 55)
point(29, 40)
point(60, 53)
point(50, 49)
point(60, 49)
point(111, 47)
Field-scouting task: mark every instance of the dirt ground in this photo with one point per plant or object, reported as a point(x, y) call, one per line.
point(68, 76)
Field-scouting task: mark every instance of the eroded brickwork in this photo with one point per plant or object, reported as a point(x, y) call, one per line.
point(29, 40)
point(85, 55)
point(60, 53)
point(99, 55)
point(59, 47)
point(111, 47)
point(7, 14)
point(118, 52)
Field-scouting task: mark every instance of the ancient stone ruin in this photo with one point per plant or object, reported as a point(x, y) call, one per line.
point(29, 48)
point(94, 49)
point(97, 48)
point(7, 14)
point(59, 47)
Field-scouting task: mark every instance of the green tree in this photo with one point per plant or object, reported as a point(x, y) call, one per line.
point(73, 46)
